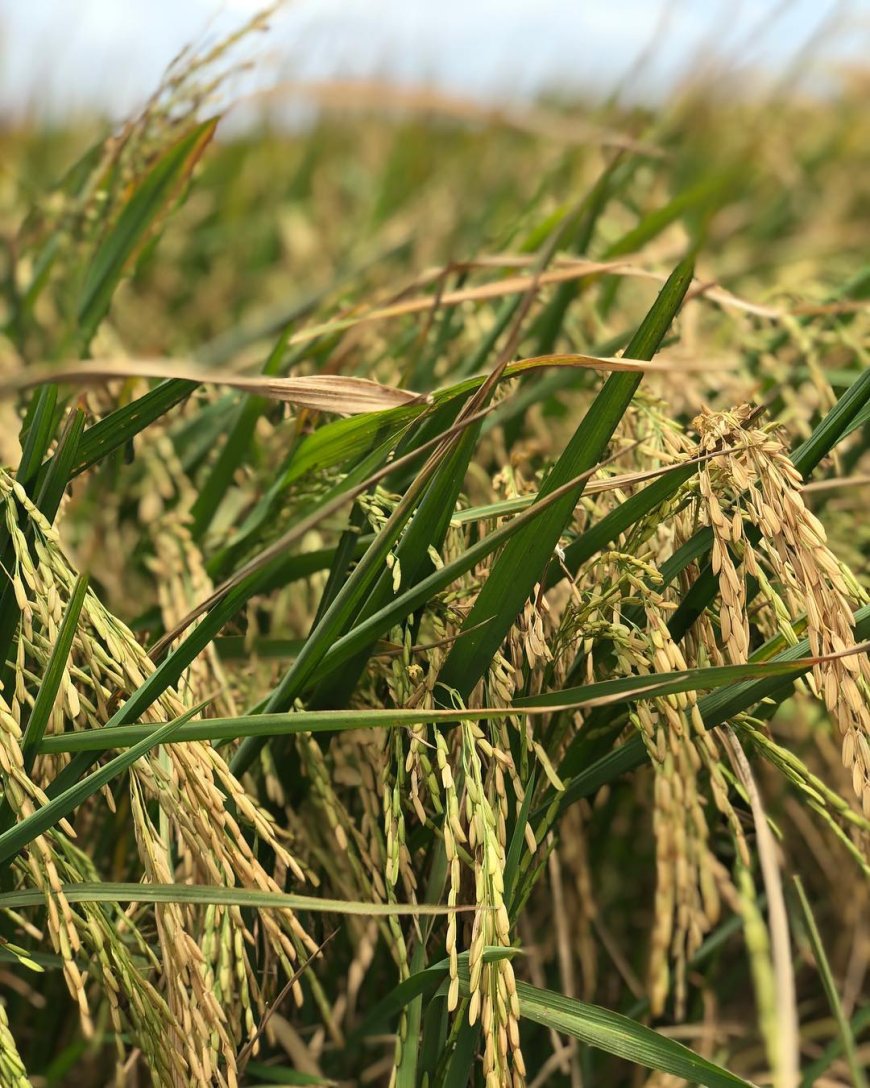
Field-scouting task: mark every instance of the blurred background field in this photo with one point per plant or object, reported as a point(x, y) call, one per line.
point(409, 194)
point(350, 167)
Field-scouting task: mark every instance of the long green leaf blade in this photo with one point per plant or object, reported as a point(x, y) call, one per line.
point(213, 895)
point(136, 218)
point(525, 559)
point(618, 1035)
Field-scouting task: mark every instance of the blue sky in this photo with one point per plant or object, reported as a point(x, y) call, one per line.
point(62, 55)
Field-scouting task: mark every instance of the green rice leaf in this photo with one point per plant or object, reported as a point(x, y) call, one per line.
point(525, 559)
point(619, 1035)
point(136, 218)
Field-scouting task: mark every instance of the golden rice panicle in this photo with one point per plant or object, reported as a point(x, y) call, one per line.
point(756, 476)
point(688, 876)
point(492, 987)
point(198, 1028)
point(727, 529)
point(42, 592)
point(530, 641)
point(191, 783)
point(454, 836)
point(12, 1071)
point(687, 897)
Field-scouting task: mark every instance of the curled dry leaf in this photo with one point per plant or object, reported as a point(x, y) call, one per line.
point(338, 393)
point(616, 364)
point(565, 270)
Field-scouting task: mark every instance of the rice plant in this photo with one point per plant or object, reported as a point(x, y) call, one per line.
point(434, 604)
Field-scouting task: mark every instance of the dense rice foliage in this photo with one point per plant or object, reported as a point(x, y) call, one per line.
point(431, 628)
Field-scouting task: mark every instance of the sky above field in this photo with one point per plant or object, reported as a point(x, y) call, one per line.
point(58, 56)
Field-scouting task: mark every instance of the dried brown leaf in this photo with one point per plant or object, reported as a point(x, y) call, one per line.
point(338, 393)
